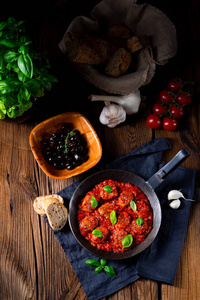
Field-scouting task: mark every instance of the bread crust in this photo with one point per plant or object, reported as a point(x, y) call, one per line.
point(119, 63)
point(57, 215)
point(39, 203)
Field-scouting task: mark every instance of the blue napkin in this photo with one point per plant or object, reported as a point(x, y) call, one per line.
point(159, 261)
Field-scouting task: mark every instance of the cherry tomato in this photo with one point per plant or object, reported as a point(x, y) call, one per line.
point(159, 109)
point(153, 121)
point(184, 98)
point(166, 97)
point(175, 84)
point(176, 112)
point(169, 124)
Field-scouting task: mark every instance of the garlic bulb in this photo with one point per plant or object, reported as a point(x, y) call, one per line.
point(130, 102)
point(174, 194)
point(175, 204)
point(112, 115)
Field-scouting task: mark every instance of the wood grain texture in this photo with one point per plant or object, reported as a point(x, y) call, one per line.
point(32, 263)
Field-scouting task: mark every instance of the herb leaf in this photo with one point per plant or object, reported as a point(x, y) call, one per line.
point(25, 64)
point(92, 262)
point(97, 233)
point(98, 270)
point(94, 202)
point(110, 271)
point(108, 189)
point(139, 221)
point(127, 241)
point(113, 218)
point(103, 261)
point(133, 205)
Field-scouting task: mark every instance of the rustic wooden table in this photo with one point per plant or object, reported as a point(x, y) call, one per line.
point(32, 262)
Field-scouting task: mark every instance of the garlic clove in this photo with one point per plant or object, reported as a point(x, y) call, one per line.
point(174, 194)
point(175, 204)
point(112, 115)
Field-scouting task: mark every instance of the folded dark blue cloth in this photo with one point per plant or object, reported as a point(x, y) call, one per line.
point(159, 261)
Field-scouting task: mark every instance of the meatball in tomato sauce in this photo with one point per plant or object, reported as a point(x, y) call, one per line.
point(106, 209)
point(125, 198)
point(100, 239)
point(87, 202)
point(88, 224)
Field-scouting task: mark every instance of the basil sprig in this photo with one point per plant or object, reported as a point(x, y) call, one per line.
point(97, 233)
point(133, 205)
point(127, 241)
point(94, 202)
point(139, 221)
point(100, 266)
point(107, 188)
point(113, 217)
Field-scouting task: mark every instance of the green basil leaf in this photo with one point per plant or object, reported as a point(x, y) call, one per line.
point(110, 271)
point(94, 202)
point(2, 115)
point(133, 205)
point(24, 92)
point(9, 43)
point(108, 189)
point(21, 76)
point(25, 64)
point(2, 107)
point(9, 56)
point(113, 218)
point(97, 233)
point(127, 241)
point(1, 62)
point(103, 261)
point(98, 270)
point(92, 262)
point(139, 221)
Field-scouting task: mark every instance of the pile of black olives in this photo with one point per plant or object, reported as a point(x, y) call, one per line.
point(65, 149)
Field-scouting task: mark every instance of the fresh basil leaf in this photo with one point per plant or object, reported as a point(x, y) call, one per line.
point(9, 56)
point(94, 202)
point(97, 233)
point(24, 92)
point(139, 221)
point(9, 43)
point(25, 64)
point(2, 107)
point(92, 262)
point(2, 115)
point(1, 62)
point(103, 261)
point(113, 217)
point(108, 189)
point(133, 205)
point(110, 271)
point(127, 241)
point(98, 270)
point(21, 76)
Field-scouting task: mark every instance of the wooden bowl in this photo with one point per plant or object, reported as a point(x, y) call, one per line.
point(49, 126)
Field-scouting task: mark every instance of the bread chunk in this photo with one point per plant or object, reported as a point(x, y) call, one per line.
point(119, 31)
point(57, 215)
point(136, 43)
point(41, 202)
point(119, 63)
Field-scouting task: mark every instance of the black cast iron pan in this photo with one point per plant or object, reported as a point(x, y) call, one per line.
point(124, 176)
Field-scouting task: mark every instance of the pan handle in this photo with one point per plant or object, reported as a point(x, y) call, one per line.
point(160, 176)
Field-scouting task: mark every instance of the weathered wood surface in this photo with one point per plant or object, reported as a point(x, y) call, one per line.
point(32, 262)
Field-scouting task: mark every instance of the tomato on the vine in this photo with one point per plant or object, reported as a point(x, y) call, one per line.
point(184, 98)
point(169, 124)
point(159, 109)
point(176, 112)
point(166, 97)
point(153, 121)
point(175, 84)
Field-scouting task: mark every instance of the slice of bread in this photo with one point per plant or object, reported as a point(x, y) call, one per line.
point(41, 202)
point(136, 43)
point(119, 63)
point(119, 31)
point(57, 215)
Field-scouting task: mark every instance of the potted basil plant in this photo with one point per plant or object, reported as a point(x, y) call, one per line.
point(24, 73)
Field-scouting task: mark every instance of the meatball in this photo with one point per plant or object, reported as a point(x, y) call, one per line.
point(106, 209)
point(118, 237)
point(105, 232)
point(88, 223)
point(125, 197)
point(136, 229)
point(107, 195)
point(123, 220)
point(86, 203)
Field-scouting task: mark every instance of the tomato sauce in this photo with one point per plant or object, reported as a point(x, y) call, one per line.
point(115, 216)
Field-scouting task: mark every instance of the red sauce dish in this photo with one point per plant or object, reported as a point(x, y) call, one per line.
point(115, 216)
